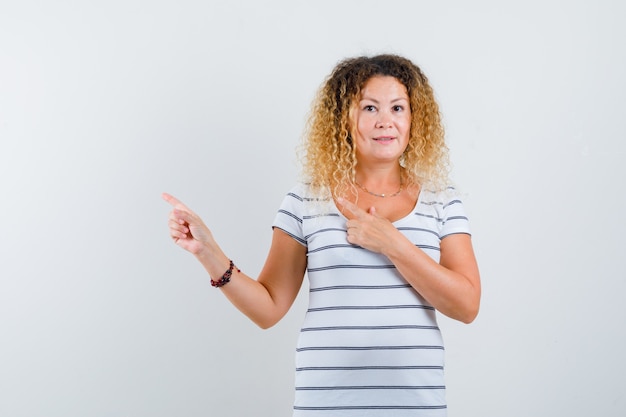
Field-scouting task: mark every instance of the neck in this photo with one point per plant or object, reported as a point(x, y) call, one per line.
point(380, 182)
point(379, 176)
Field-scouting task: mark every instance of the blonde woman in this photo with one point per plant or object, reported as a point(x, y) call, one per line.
point(384, 242)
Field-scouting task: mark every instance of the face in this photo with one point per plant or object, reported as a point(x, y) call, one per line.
point(382, 119)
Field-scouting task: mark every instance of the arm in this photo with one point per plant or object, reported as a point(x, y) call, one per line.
point(265, 300)
point(452, 286)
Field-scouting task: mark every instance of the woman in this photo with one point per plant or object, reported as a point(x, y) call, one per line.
point(383, 241)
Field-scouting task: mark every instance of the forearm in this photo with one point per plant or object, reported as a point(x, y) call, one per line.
point(254, 300)
point(454, 293)
point(264, 301)
point(245, 293)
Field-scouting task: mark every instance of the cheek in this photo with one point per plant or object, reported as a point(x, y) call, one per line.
point(406, 125)
point(363, 123)
point(406, 120)
point(406, 131)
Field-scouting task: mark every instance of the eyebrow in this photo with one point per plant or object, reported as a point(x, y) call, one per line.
point(377, 102)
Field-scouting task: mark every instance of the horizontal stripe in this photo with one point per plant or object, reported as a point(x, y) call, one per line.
point(456, 233)
point(432, 203)
point(292, 235)
point(451, 203)
point(297, 197)
point(300, 198)
point(396, 327)
point(328, 229)
point(392, 307)
point(285, 212)
point(315, 216)
point(456, 218)
point(409, 347)
point(429, 216)
point(362, 387)
point(367, 368)
point(326, 268)
point(418, 229)
point(360, 287)
point(435, 248)
point(372, 407)
point(336, 246)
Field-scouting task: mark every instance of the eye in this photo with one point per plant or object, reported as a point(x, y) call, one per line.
point(369, 108)
point(398, 108)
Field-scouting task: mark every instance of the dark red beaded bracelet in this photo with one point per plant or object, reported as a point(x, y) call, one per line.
point(226, 277)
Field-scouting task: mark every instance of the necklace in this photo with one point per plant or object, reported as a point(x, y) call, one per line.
point(381, 195)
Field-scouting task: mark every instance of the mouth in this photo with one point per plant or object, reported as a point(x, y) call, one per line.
point(384, 139)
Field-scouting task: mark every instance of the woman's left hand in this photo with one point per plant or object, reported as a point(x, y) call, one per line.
point(368, 229)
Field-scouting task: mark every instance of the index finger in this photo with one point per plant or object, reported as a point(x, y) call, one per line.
point(173, 201)
point(353, 208)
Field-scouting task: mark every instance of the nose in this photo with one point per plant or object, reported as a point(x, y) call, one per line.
point(384, 120)
point(383, 124)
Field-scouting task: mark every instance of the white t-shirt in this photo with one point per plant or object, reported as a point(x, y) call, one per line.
point(370, 344)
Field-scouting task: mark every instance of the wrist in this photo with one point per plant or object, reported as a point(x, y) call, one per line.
point(212, 259)
point(216, 263)
point(206, 251)
point(225, 278)
point(396, 246)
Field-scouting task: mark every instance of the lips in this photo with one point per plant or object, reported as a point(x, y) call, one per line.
point(384, 139)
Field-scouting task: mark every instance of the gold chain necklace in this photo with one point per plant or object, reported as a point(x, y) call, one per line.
point(380, 195)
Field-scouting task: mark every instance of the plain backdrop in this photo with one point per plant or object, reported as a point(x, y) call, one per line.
point(106, 104)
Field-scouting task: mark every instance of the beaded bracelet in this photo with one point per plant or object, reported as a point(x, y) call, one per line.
point(226, 277)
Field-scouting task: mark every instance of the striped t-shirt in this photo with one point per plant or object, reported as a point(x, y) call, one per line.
point(369, 345)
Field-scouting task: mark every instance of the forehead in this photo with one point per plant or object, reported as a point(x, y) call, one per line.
point(384, 86)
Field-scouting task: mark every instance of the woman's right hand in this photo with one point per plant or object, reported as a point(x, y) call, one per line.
point(187, 228)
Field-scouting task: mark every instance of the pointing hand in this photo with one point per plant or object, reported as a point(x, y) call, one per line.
point(186, 228)
point(367, 228)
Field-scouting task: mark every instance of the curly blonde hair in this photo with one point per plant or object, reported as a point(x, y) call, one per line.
point(329, 160)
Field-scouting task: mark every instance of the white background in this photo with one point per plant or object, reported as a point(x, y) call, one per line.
point(106, 104)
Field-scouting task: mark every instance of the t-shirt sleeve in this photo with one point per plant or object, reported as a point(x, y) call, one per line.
point(290, 215)
point(455, 219)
